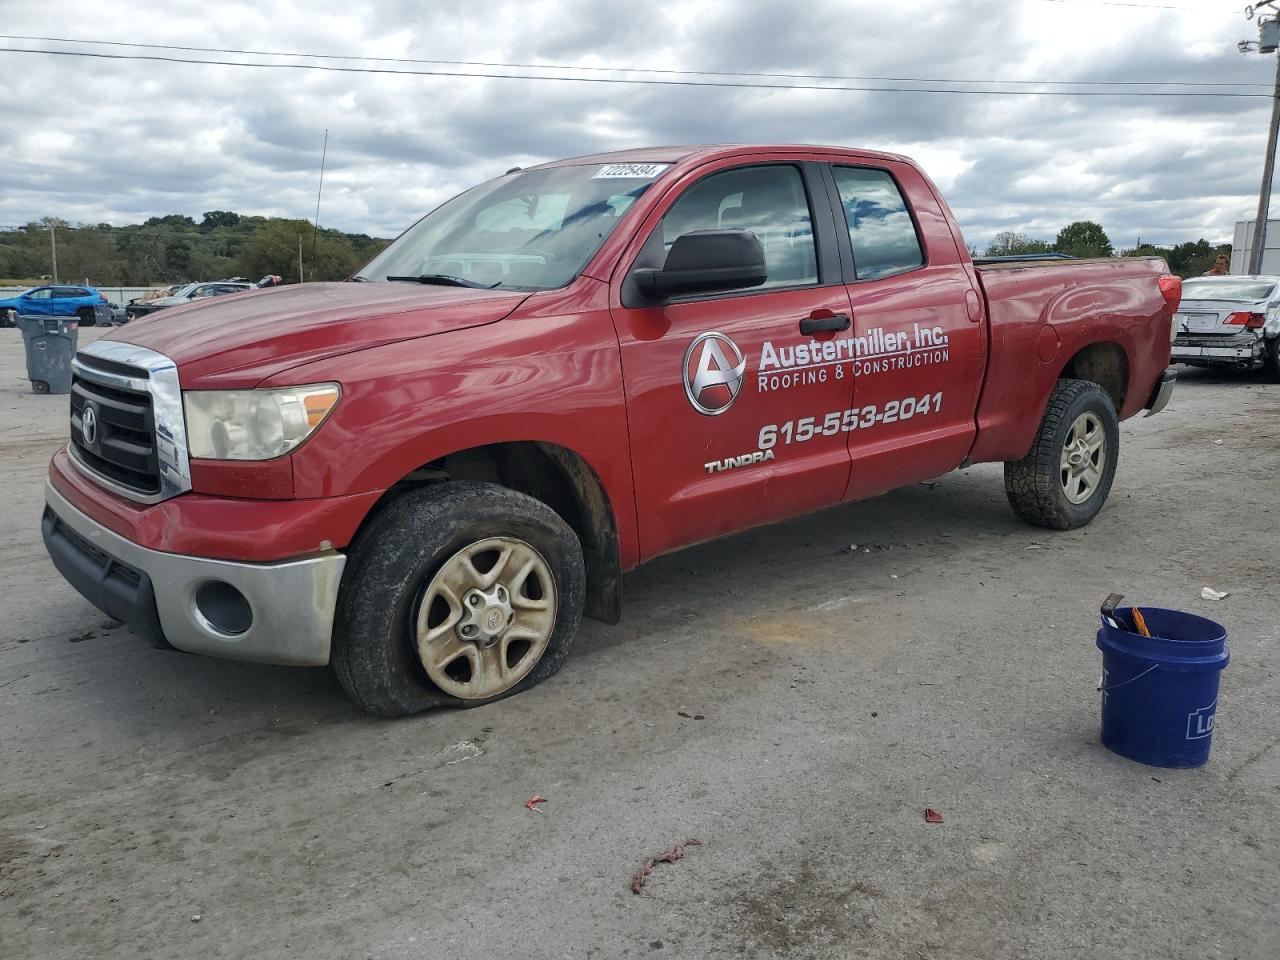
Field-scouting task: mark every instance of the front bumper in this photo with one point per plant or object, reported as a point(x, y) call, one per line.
point(1246, 348)
point(180, 601)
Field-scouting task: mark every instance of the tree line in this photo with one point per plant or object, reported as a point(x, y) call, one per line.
point(176, 248)
point(1084, 238)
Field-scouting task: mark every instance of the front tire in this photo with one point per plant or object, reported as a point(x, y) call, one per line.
point(1065, 479)
point(456, 594)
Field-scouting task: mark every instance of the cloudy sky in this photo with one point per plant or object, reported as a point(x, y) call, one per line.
point(95, 140)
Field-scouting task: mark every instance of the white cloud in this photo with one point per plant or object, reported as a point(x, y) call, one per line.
point(99, 140)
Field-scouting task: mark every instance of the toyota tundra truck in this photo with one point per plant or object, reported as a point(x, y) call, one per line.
point(427, 474)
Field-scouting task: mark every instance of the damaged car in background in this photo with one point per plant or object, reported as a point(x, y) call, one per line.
point(1229, 322)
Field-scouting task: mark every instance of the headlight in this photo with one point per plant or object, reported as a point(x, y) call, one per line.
point(254, 424)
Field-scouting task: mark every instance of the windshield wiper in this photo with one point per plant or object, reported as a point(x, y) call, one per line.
point(444, 280)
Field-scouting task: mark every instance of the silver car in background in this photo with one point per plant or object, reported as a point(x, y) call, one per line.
point(1229, 322)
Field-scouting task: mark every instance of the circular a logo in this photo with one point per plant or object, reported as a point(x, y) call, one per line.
point(89, 426)
point(713, 372)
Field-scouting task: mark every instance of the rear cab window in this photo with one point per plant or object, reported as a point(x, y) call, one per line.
point(881, 229)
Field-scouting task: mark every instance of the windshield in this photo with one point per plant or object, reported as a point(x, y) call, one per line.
point(533, 230)
point(1226, 289)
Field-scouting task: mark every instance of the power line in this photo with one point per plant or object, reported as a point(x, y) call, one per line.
point(1116, 3)
point(639, 81)
point(653, 70)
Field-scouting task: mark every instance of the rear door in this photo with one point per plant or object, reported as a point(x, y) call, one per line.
point(734, 414)
point(66, 300)
point(919, 344)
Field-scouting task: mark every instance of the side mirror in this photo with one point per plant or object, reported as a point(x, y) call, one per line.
point(704, 261)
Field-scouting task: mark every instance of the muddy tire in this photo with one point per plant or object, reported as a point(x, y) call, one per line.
point(1065, 479)
point(433, 610)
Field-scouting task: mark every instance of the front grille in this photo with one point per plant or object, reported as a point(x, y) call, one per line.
point(122, 448)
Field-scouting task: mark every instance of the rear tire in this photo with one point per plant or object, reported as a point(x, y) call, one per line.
point(383, 647)
point(87, 317)
point(1065, 479)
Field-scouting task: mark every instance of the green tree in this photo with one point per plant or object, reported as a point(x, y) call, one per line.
point(88, 253)
point(1012, 244)
point(219, 218)
point(1084, 238)
point(171, 248)
point(273, 248)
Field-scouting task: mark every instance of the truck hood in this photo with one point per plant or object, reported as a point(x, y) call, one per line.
point(239, 340)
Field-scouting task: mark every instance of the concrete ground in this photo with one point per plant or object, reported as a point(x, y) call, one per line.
point(793, 705)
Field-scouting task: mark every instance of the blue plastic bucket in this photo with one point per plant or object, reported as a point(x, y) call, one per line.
point(1160, 693)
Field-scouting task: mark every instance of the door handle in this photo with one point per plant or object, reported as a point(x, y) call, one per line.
point(832, 324)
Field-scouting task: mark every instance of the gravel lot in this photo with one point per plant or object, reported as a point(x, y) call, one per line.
point(160, 805)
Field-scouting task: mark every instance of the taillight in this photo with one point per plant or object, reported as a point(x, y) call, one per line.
point(1250, 321)
point(1171, 290)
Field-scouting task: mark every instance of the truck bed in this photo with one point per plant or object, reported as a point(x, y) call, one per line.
point(1043, 316)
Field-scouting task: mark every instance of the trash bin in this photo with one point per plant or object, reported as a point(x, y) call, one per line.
point(1160, 693)
point(51, 343)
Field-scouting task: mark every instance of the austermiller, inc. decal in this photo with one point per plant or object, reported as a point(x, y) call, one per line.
point(713, 373)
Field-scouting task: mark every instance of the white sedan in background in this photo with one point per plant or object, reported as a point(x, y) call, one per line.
point(1229, 322)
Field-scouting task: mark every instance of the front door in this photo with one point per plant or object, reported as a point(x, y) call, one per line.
point(735, 415)
point(37, 303)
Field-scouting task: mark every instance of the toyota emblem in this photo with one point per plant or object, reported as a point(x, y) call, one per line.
point(713, 370)
point(89, 426)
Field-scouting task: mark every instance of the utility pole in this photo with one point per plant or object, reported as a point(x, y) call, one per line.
point(315, 232)
point(300, 277)
point(1268, 41)
point(53, 246)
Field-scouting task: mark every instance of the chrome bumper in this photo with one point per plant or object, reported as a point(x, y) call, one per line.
point(291, 604)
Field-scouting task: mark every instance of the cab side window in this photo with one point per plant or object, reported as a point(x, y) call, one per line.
point(769, 201)
point(44, 294)
point(880, 227)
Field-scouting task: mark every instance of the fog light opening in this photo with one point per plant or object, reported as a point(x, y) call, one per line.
point(222, 608)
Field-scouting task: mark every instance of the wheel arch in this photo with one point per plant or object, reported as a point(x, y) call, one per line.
point(1103, 362)
point(554, 475)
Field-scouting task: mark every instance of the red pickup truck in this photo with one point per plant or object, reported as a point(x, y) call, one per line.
point(427, 474)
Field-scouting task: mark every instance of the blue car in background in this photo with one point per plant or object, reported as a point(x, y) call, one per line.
point(57, 300)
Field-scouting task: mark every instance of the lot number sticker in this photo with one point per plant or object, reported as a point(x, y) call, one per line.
point(630, 171)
